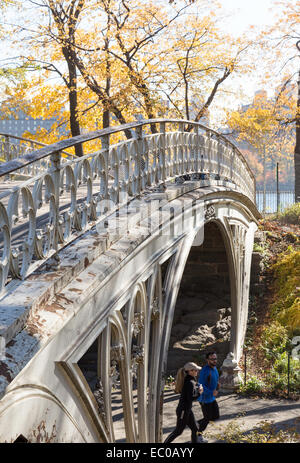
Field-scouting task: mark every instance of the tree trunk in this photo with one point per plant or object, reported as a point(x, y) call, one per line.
point(74, 123)
point(73, 101)
point(141, 86)
point(95, 87)
point(106, 119)
point(106, 112)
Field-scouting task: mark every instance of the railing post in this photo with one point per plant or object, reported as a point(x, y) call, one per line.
point(219, 157)
point(105, 146)
point(209, 150)
point(55, 159)
point(195, 150)
point(232, 156)
point(277, 188)
point(140, 158)
point(227, 151)
point(181, 148)
point(162, 129)
point(6, 148)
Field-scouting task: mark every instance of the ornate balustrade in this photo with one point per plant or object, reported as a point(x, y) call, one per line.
point(68, 196)
point(12, 147)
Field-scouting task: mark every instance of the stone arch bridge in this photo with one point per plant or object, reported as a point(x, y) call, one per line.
point(93, 251)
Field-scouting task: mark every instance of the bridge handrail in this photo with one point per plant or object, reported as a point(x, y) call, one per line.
point(16, 137)
point(70, 142)
point(7, 137)
point(123, 171)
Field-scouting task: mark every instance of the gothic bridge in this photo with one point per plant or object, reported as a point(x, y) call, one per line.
point(93, 253)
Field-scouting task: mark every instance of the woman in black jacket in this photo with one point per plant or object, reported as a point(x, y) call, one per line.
point(187, 385)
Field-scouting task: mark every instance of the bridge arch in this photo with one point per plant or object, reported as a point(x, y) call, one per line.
point(56, 419)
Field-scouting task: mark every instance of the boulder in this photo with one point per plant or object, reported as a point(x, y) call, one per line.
point(197, 339)
point(221, 330)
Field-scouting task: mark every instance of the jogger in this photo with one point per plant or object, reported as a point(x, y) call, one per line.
point(187, 385)
point(209, 378)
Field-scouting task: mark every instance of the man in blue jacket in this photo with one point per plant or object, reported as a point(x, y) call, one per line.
point(209, 378)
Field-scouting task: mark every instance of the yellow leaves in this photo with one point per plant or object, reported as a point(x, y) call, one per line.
point(260, 125)
point(151, 68)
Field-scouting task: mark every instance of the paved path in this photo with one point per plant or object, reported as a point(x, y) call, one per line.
point(246, 412)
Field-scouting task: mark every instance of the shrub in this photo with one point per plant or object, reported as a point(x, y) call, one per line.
point(278, 378)
point(170, 381)
point(274, 338)
point(258, 248)
point(287, 289)
point(291, 316)
point(253, 386)
point(290, 215)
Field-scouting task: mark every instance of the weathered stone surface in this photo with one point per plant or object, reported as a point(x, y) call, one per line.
point(230, 378)
point(201, 337)
point(43, 284)
point(221, 330)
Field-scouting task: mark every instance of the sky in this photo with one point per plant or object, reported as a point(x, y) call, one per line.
point(248, 12)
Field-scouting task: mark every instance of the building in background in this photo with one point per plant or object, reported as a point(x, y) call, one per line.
point(21, 122)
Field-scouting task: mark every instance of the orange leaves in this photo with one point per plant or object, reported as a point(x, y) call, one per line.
point(134, 58)
point(260, 125)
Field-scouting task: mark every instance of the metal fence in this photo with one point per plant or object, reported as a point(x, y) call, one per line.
point(284, 199)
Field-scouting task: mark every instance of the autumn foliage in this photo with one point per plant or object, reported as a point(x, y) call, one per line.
point(262, 127)
point(103, 62)
point(89, 64)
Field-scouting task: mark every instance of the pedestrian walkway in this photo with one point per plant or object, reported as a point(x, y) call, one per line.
point(246, 413)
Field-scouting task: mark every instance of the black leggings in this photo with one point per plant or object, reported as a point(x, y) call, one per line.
point(210, 413)
point(184, 420)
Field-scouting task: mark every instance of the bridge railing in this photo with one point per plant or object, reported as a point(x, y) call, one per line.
point(12, 147)
point(47, 211)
